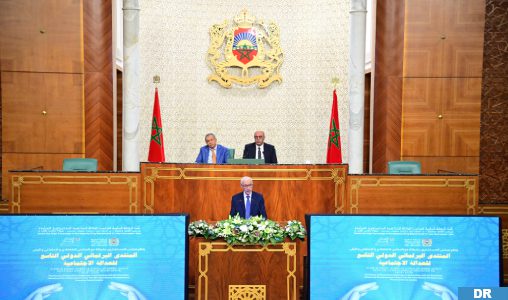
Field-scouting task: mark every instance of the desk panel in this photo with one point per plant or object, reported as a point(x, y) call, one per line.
point(412, 194)
point(73, 192)
point(205, 191)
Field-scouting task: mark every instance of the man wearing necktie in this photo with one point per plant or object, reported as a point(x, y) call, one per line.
point(247, 203)
point(212, 153)
point(260, 150)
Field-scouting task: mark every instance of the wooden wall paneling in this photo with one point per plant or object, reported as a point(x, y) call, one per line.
point(42, 112)
point(423, 45)
point(388, 84)
point(494, 114)
point(421, 127)
point(464, 22)
point(421, 136)
point(23, 101)
point(64, 118)
point(441, 117)
point(421, 97)
point(461, 96)
point(447, 164)
point(41, 36)
point(443, 39)
point(461, 116)
point(97, 23)
point(460, 136)
point(29, 161)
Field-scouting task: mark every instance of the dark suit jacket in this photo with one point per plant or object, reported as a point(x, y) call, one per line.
point(269, 152)
point(257, 205)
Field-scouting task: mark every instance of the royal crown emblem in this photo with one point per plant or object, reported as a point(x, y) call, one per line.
point(247, 53)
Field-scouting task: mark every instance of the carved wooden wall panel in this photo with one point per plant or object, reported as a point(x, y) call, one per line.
point(494, 115)
point(42, 112)
point(443, 38)
point(442, 83)
point(421, 137)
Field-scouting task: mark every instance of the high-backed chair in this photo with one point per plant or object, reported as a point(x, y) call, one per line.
point(80, 164)
point(404, 167)
point(231, 153)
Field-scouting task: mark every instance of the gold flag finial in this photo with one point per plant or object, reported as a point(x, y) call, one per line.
point(156, 79)
point(335, 82)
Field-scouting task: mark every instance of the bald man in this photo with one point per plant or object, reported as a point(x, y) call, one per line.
point(260, 150)
point(247, 203)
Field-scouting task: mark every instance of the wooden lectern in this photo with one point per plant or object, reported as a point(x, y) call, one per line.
point(247, 272)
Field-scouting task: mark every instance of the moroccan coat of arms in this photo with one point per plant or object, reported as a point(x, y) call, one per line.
point(245, 53)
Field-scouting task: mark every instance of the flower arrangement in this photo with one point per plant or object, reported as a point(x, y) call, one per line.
point(256, 230)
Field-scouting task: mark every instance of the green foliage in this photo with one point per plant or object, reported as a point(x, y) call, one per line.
point(253, 231)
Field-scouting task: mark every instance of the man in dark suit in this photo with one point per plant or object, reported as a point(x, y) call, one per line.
point(247, 203)
point(260, 150)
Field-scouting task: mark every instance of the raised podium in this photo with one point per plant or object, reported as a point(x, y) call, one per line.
point(247, 272)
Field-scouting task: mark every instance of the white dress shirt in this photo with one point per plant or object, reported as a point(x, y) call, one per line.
point(262, 151)
point(210, 154)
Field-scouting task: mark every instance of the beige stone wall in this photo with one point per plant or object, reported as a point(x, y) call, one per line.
point(295, 114)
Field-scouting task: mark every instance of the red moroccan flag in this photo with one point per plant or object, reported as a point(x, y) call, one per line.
point(156, 153)
point(334, 154)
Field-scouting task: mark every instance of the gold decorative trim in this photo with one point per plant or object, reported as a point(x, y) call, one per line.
point(17, 183)
point(4, 207)
point(337, 175)
point(493, 210)
point(466, 183)
point(247, 292)
point(205, 249)
point(504, 243)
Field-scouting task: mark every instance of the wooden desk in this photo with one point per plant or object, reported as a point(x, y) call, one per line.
point(73, 192)
point(412, 194)
point(204, 191)
point(247, 272)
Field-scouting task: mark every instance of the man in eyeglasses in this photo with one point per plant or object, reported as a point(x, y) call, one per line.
point(247, 203)
point(260, 150)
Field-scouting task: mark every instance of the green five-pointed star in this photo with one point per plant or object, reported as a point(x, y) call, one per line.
point(158, 130)
point(334, 135)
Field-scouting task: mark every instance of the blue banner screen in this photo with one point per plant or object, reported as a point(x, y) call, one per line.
point(401, 257)
point(93, 257)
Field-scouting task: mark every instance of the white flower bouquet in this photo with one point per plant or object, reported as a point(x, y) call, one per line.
point(253, 231)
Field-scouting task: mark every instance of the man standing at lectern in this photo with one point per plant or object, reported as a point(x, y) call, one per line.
point(260, 150)
point(247, 203)
point(212, 153)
